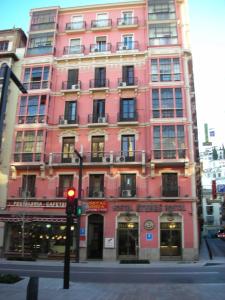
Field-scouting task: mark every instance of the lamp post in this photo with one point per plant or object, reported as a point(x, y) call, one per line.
point(79, 198)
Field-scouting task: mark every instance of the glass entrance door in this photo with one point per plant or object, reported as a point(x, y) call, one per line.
point(127, 240)
point(170, 241)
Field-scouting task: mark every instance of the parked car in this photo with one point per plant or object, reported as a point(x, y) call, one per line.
point(221, 234)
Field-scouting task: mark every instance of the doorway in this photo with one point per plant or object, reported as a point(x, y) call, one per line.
point(95, 237)
point(170, 240)
point(127, 240)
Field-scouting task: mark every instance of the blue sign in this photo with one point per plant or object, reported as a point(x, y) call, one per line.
point(221, 188)
point(82, 231)
point(149, 236)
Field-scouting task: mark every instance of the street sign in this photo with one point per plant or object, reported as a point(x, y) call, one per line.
point(149, 236)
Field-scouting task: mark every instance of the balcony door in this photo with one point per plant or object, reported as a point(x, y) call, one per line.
point(100, 77)
point(128, 185)
point(96, 188)
point(65, 182)
point(68, 149)
point(28, 185)
point(72, 78)
point(169, 185)
point(101, 43)
point(128, 75)
point(70, 112)
point(77, 22)
point(128, 109)
point(98, 111)
point(97, 148)
point(128, 147)
point(75, 46)
point(128, 42)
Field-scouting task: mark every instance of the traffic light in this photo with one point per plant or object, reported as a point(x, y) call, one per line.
point(79, 211)
point(71, 205)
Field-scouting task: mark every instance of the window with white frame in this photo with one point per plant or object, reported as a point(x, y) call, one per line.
point(163, 34)
point(165, 69)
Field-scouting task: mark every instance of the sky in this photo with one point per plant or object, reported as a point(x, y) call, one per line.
point(207, 34)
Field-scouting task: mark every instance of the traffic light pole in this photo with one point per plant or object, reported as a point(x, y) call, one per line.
point(79, 198)
point(69, 221)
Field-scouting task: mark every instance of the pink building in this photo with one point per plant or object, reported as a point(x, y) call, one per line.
point(115, 83)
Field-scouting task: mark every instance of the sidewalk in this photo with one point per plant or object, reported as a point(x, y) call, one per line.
point(52, 288)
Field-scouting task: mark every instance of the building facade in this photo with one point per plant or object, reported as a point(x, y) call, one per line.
point(115, 83)
point(12, 46)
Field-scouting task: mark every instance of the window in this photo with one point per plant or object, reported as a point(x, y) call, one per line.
point(128, 147)
point(128, 75)
point(167, 103)
point(165, 69)
point(40, 44)
point(101, 43)
point(28, 146)
point(70, 112)
point(72, 78)
point(209, 210)
point(65, 182)
point(97, 148)
point(128, 42)
point(98, 111)
point(36, 78)
point(4, 46)
point(77, 22)
point(102, 20)
point(127, 18)
point(128, 110)
point(100, 77)
point(163, 10)
point(169, 142)
point(128, 185)
point(162, 34)
point(75, 46)
point(68, 147)
point(32, 109)
point(96, 188)
point(170, 185)
point(28, 186)
point(43, 20)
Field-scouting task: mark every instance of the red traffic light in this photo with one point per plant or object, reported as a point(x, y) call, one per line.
point(71, 194)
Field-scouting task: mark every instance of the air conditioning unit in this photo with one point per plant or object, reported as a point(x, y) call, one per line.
point(124, 47)
point(75, 86)
point(123, 83)
point(101, 120)
point(106, 159)
point(126, 193)
point(75, 160)
point(63, 122)
point(122, 22)
point(120, 158)
point(98, 194)
point(96, 49)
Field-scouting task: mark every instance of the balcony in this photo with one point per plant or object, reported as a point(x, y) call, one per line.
point(71, 87)
point(36, 85)
point(28, 193)
point(125, 118)
point(98, 157)
point(127, 46)
point(170, 191)
point(99, 84)
point(75, 27)
point(97, 119)
point(131, 22)
point(68, 121)
point(37, 119)
point(92, 192)
point(101, 24)
point(100, 48)
point(73, 50)
point(169, 156)
point(127, 192)
point(128, 83)
point(40, 50)
point(60, 191)
point(125, 157)
point(62, 159)
point(28, 157)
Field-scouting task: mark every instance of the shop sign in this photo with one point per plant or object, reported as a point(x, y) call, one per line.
point(122, 208)
point(97, 205)
point(148, 225)
point(27, 203)
point(109, 242)
point(149, 236)
point(160, 207)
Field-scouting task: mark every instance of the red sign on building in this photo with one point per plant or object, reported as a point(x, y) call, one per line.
point(97, 205)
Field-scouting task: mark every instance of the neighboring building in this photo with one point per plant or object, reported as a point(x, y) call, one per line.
point(115, 82)
point(12, 46)
point(213, 185)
